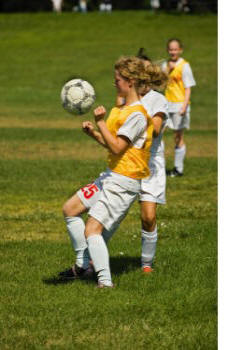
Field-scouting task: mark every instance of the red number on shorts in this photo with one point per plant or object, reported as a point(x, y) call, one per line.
point(89, 190)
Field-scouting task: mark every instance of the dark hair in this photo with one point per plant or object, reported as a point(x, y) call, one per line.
point(177, 40)
point(141, 54)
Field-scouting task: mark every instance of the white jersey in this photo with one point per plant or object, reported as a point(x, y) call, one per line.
point(153, 188)
point(154, 102)
point(188, 81)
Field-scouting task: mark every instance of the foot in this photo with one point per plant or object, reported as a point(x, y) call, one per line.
point(147, 269)
point(76, 272)
point(173, 173)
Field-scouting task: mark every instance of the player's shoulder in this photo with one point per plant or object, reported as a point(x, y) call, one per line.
point(154, 96)
point(185, 63)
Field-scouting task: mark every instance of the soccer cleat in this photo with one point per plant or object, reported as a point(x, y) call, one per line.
point(147, 269)
point(76, 272)
point(173, 173)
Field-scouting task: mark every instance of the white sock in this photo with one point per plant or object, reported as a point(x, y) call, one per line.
point(149, 240)
point(100, 258)
point(76, 227)
point(179, 158)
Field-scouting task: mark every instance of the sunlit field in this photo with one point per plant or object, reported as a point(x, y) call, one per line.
point(45, 157)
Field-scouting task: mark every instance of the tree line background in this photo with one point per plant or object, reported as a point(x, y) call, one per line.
point(46, 5)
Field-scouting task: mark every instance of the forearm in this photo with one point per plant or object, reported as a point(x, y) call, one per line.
point(114, 145)
point(187, 98)
point(96, 135)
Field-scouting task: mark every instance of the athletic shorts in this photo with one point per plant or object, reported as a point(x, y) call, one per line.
point(177, 122)
point(90, 193)
point(117, 195)
point(153, 188)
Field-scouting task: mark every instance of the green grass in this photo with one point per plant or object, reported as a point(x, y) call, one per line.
point(44, 157)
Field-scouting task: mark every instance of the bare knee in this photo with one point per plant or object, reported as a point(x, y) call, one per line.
point(93, 226)
point(148, 222)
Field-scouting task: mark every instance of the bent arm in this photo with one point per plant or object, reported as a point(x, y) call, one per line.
point(117, 144)
point(88, 128)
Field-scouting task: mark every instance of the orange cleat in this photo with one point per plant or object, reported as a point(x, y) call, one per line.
point(147, 269)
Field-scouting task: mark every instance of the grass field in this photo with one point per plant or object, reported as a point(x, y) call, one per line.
point(44, 157)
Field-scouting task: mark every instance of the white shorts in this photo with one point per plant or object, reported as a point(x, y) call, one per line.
point(116, 197)
point(90, 193)
point(153, 188)
point(177, 122)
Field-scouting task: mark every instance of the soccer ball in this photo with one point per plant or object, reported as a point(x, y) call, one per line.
point(77, 96)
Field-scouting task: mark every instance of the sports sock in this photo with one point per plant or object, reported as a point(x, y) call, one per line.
point(100, 258)
point(149, 240)
point(76, 227)
point(179, 158)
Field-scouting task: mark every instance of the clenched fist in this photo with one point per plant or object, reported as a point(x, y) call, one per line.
point(99, 113)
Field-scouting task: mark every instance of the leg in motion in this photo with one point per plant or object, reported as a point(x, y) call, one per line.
point(149, 235)
point(72, 210)
point(98, 252)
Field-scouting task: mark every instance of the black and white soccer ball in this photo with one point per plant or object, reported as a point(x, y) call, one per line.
point(77, 96)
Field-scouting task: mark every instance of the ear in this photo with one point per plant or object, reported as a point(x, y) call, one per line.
point(131, 83)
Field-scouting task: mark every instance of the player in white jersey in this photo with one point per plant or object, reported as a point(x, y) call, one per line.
point(153, 188)
point(178, 94)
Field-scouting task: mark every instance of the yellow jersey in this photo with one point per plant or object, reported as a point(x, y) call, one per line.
point(134, 161)
point(175, 91)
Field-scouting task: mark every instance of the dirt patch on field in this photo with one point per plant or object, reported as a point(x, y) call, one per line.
point(69, 123)
point(50, 150)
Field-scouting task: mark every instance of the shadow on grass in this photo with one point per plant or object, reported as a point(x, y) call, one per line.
point(119, 265)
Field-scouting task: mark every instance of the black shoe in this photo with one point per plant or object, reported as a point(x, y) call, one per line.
point(76, 272)
point(173, 173)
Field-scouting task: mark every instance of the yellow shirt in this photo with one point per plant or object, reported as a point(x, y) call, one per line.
point(175, 91)
point(134, 161)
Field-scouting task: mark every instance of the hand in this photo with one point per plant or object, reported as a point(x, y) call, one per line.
point(88, 127)
point(99, 113)
point(171, 65)
point(183, 110)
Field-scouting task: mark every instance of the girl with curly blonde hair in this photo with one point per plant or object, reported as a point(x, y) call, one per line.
point(127, 135)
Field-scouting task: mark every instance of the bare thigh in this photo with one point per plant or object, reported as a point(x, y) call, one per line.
point(74, 206)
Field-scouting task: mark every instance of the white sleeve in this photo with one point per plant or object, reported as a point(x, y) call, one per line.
point(154, 102)
point(160, 106)
point(164, 66)
point(133, 127)
point(187, 76)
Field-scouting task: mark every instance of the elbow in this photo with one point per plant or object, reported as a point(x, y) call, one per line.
point(116, 152)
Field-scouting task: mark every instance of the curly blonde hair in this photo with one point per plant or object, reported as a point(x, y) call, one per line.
point(146, 75)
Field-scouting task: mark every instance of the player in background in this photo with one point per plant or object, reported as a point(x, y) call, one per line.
point(127, 135)
point(178, 94)
point(153, 188)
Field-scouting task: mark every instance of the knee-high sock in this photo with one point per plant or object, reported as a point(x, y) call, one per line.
point(149, 240)
point(76, 228)
point(179, 158)
point(100, 258)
